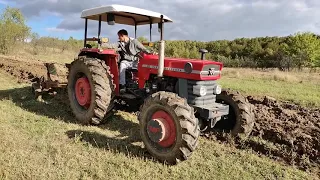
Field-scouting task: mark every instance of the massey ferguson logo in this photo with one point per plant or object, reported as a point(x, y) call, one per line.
point(211, 72)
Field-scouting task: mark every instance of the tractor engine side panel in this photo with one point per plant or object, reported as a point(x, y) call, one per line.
point(148, 65)
point(168, 84)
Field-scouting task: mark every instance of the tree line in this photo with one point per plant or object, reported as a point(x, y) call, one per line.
point(299, 50)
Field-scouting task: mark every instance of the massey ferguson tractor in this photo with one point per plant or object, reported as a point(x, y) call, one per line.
point(178, 98)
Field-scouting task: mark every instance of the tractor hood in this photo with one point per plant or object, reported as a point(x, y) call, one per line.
point(195, 69)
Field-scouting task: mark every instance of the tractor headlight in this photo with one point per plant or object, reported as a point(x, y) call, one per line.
point(188, 68)
point(217, 89)
point(203, 91)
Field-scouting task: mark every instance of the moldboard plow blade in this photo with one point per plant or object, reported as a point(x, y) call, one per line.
point(57, 78)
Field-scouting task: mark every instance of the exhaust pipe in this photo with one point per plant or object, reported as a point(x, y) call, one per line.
point(161, 49)
point(203, 52)
point(161, 59)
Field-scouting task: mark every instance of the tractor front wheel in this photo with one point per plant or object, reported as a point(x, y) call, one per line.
point(168, 127)
point(241, 117)
point(90, 90)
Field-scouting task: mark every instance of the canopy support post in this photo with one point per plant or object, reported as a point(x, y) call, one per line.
point(161, 51)
point(135, 30)
point(85, 32)
point(99, 30)
point(150, 29)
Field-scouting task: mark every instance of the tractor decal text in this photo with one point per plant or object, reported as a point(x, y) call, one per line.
point(170, 69)
point(210, 73)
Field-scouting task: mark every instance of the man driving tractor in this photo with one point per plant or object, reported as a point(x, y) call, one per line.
point(128, 49)
point(177, 98)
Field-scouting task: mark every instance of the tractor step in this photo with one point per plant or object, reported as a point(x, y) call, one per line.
point(214, 110)
point(127, 96)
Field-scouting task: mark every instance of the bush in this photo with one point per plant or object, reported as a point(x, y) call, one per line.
point(12, 29)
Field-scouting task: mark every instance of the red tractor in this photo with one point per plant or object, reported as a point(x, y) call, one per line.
point(178, 98)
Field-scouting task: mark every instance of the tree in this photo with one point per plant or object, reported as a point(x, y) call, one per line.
point(142, 39)
point(34, 37)
point(305, 49)
point(12, 29)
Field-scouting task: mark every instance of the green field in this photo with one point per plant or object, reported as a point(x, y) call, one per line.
point(298, 87)
point(42, 141)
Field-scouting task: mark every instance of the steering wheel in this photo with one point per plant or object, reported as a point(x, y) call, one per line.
point(138, 55)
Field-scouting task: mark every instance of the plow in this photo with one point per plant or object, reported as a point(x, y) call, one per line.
point(178, 99)
point(56, 78)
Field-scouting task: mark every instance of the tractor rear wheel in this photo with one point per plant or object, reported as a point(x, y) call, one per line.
point(168, 127)
point(90, 90)
point(241, 117)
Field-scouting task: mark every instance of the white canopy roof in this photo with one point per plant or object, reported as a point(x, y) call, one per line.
point(124, 15)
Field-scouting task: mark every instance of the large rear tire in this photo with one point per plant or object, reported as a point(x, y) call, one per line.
point(168, 127)
point(241, 117)
point(90, 90)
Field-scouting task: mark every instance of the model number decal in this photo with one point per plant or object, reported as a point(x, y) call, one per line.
point(181, 70)
point(165, 68)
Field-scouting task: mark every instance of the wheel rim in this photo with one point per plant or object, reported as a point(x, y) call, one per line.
point(83, 92)
point(161, 129)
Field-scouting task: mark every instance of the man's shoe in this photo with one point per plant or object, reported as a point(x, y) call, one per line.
point(122, 89)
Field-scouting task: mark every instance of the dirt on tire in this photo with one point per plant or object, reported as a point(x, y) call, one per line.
point(101, 88)
point(240, 113)
point(186, 135)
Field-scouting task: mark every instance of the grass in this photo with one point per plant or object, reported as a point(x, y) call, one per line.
point(299, 87)
point(42, 54)
point(43, 141)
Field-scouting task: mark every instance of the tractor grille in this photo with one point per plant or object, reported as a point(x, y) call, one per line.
point(194, 97)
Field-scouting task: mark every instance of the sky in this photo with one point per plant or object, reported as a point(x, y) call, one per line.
point(202, 20)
